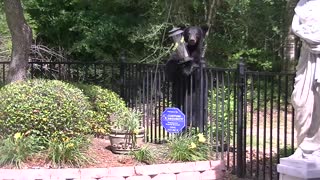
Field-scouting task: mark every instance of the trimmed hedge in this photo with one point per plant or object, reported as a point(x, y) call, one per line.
point(46, 108)
point(105, 103)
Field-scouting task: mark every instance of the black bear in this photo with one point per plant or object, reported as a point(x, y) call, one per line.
point(182, 71)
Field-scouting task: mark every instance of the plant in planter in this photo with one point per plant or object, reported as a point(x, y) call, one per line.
point(126, 132)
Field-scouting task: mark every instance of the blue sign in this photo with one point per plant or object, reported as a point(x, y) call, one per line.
point(173, 120)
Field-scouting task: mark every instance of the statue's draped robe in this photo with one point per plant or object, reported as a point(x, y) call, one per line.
point(306, 93)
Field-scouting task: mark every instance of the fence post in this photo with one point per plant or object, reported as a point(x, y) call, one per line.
point(122, 74)
point(240, 133)
point(203, 96)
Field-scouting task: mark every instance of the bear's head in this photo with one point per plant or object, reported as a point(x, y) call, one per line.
point(193, 35)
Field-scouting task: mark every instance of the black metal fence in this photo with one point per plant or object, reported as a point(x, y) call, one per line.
point(246, 115)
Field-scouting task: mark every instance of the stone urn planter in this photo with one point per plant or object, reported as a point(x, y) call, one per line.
point(122, 141)
point(126, 132)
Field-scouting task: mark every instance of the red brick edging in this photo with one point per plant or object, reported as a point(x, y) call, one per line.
point(200, 170)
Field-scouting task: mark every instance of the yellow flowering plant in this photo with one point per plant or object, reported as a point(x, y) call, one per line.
point(201, 137)
point(66, 150)
point(17, 148)
point(189, 148)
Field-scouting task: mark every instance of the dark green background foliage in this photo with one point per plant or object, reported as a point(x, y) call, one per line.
point(46, 108)
point(88, 30)
point(100, 30)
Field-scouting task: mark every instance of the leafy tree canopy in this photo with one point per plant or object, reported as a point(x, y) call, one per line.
point(100, 30)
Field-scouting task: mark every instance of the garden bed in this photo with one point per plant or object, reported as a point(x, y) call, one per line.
point(113, 166)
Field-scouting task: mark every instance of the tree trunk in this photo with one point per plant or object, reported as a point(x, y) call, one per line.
point(21, 35)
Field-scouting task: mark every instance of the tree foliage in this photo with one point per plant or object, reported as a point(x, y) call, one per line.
point(100, 30)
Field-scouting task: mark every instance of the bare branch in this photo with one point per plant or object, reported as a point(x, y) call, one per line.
point(43, 53)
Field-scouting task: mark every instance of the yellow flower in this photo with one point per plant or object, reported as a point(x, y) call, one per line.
point(201, 138)
point(17, 136)
point(192, 145)
point(101, 130)
point(70, 145)
point(136, 131)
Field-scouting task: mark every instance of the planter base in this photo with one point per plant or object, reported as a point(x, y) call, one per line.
point(121, 142)
point(116, 150)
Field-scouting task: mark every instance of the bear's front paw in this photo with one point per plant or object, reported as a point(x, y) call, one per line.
point(186, 60)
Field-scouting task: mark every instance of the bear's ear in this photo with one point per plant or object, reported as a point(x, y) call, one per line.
point(204, 28)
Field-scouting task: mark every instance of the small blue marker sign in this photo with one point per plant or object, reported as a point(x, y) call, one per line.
point(173, 120)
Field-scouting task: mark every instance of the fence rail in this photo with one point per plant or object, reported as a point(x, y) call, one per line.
point(248, 115)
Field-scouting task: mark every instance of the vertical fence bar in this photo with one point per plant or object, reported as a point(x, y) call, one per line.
point(159, 105)
point(271, 127)
point(258, 128)
point(278, 120)
point(228, 119)
point(286, 116)
point(251, 122)
point(222, 114)
point(211, 109)
point(235, 100)
point(59, 71)
point(245, 122)
point(168, 98)
point(240, 149)
point(217, 112)
point(202, 99)
point(164, 99)
point(3, 73)
point(264, 126)
point(143, 102)
point(129, 84)
point(147, 101)
point(206, 96)
point(292, 122)
point(122, 61)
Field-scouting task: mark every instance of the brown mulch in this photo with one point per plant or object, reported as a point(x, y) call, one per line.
point(102, 157)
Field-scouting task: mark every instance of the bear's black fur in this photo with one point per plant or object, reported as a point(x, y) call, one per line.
point(183, 73)
point(176, 65)
point(194, 37)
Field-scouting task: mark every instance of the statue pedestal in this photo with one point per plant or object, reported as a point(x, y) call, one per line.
point(298, 169)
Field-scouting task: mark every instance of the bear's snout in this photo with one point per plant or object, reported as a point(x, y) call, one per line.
point(192, 41)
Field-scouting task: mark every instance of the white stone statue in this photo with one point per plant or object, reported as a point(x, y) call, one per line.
point(306, 93)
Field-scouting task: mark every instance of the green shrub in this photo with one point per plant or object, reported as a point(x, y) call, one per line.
point(104, 102)
point(45, 108)
point(17, 149)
